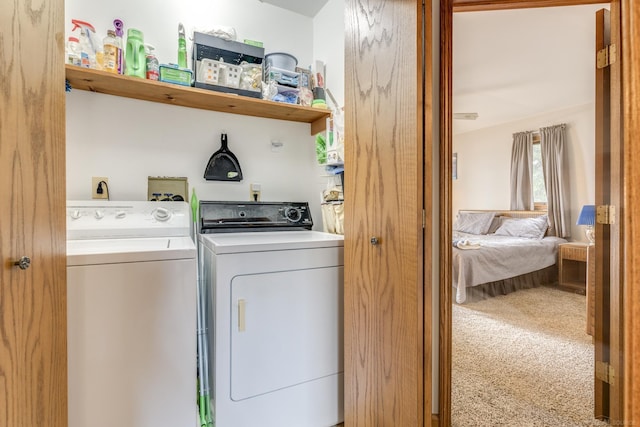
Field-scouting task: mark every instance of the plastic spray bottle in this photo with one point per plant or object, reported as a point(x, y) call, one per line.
point(182, 47)
point(73, 51)
point(88, 47)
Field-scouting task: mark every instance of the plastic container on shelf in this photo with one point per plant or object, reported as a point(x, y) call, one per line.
point(111, 53)
point(135, 58)
point(87, 55)
point(73, 51)
point(281, 76)
point(281, 60)
point(153, 66)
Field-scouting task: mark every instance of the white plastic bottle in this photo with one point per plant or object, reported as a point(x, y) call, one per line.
point(111, 53)
point(73, 51)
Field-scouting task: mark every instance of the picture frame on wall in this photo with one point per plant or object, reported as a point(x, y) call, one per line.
point(454, 167)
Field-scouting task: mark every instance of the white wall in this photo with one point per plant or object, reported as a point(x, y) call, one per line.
point(128, 140)
point(484, 159)
point(328, 46)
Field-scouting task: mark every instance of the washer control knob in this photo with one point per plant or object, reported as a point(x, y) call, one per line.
point(162, 214)
point(292, 214)
point(120, 214)
point(99, 214)
point(75, 214)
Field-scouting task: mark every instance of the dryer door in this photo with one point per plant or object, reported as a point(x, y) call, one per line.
point(286, 329)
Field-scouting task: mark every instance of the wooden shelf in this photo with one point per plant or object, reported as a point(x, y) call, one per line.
point(167, 93)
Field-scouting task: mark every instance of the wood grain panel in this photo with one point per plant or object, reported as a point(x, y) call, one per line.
point(429, 213)
point(631, 262)
point(616, 284)
point(383, 199)
point(446, 196)
point(602, 197)
point(33, 372)
point(479, 5)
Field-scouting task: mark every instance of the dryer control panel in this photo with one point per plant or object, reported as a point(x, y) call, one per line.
point(219, 217)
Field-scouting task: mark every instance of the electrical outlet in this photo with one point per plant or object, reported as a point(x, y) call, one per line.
point(96, 182)
point(254, 192)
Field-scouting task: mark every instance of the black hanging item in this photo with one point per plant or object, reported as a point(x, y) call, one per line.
point(223, 164)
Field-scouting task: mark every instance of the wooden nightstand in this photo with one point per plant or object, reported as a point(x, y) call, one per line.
point(572, 266)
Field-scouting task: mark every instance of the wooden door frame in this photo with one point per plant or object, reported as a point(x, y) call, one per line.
point(630, 260)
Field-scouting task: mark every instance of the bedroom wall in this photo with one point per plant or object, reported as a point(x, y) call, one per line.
point(484, 158)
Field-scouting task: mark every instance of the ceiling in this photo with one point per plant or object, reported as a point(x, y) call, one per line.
point(512, 64)
point(303, 7)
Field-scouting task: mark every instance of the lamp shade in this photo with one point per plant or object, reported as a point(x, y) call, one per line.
point(587, 215)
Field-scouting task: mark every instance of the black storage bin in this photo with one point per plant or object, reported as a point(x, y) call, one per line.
point(217, 50)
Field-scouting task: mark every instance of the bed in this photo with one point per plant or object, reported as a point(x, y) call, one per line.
point(499, 252)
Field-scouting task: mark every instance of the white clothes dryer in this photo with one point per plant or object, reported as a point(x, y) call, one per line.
point(131, 304)
point(274, 313)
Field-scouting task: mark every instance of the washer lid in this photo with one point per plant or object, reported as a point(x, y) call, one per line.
point(112, 251)
point(228, 243)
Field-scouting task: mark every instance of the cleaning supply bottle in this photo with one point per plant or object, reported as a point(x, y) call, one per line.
point(135, 59)
point(99, 64)
point(153, 66)
point(88, 46)
point(111, 52)
point(87, 55)
point(119, 26)
point(182, 47)
point(73, 51)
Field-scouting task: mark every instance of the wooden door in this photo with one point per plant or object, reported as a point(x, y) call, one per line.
point(609, 250)
point(603, 184)
point(33, 366)
point(386, 381)
point(630, 39)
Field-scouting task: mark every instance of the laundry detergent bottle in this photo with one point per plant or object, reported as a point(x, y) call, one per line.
point(135, 58)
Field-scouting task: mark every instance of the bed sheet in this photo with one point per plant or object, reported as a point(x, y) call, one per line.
point(499, 258)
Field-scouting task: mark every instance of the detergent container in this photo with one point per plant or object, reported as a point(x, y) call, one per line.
point(135, 57)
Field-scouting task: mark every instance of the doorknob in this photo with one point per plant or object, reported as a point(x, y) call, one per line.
point(374, 240)
point(23, 262)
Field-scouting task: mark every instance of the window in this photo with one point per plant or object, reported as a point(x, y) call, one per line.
point(539, 190)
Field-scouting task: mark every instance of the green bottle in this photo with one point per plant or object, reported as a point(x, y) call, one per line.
point(182, 47)
point(135, 60)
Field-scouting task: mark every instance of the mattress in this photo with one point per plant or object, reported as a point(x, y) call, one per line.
point(497, 258)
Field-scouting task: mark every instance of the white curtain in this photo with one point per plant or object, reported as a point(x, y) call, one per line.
point(522, 171)
point(556, 179)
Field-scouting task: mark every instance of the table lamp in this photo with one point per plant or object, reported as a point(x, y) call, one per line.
point(588, 217)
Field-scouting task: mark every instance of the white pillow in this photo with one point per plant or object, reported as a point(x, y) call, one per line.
point(533, 228)
point(473, 222)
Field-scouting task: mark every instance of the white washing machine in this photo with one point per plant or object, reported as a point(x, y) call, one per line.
point(274, 314)
point(131, 304)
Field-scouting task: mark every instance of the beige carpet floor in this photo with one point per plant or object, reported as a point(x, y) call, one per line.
point(522, 359)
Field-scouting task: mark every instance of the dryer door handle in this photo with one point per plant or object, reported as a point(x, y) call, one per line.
point(241, 315)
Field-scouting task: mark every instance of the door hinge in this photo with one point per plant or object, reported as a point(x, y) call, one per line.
point(424, 219)
point(606, 56)
point(606, 214)
point(605, 372)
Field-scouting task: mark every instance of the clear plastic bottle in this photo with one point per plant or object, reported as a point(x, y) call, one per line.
point(153, 66)
point(87, 55)
point(73, 51)
point(111, 53)
point(99, 64)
